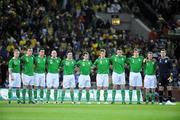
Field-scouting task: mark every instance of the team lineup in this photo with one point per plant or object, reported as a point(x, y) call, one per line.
point(40, 72)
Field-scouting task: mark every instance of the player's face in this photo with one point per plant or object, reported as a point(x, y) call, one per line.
point(102, 54)
point(136, 53)
point(16, 54)
point(41, 52)
point(163, 53)
point(150, 56)
point(69, 55)
point(86, 56)
point(119, 52)
point(54, 54)
point(29, 52)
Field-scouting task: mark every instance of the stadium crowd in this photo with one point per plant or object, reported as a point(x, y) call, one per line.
point(71, 24)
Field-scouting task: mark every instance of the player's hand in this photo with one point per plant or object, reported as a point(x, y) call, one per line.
point(170, 79)
point(144, 60)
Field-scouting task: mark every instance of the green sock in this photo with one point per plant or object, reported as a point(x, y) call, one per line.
point(48, 94)
point(130, 96)
point(138, 95)
point(105, 95)
point(35, 94)
point(79, 95)
point(123, 95)
point(62, 96)
point(72, 95)
point(18, 94)
point(98, 95)
point(113, 95)
point(10, 94)
point(87, 96)
point(55, 94)
point(24, 94)
point(41, 93)
point(30, 94)
point(147, 97)
point(153, 97)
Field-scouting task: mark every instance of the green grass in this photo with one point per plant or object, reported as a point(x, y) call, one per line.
point(88, 112)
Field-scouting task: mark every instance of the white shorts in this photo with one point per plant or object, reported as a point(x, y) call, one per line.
point(102, 80)
point(16, 82)
point(118, 79)
point(39, 79)
point(84, 81)
point(27, 80)
point(68, 81)
point(52, 80)
point(135, 79)
point(150, 81)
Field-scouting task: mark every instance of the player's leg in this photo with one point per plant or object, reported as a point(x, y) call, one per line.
point(66, 85)
point(131, 84)
point(42, 86)
point(36, 85)
point(152, 95)
point(49, 82)
point(88, 86)
point(11, 82)
point(122, 84)
point(81, 86)
point(88, 95)
point(99, 87)
point(72, 86)
point(55, 86)
point(105, 87)
point(147, 95)
point(138, 86)
point(147, 87)
point(30, 89)
point(18, 86)
point(25, 82)
point(153, 86)
point(115, 79)
point(169, 89)
point(161, 89)
point(9, 95)
point(114, 93)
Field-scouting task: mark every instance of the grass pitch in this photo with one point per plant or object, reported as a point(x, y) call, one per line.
point(83, 111)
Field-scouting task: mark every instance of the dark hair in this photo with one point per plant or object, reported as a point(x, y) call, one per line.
point(135, 49)
point(102, 50)
point(84, 53)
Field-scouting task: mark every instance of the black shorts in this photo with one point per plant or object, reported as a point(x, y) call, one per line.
point(163, 79)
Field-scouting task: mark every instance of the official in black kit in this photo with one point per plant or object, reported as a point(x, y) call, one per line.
point(165, 77)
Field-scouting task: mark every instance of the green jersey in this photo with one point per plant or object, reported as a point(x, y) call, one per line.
point(14, 65)
point(68, 66)
point(40, 64)
point(28, 65)
point(102, 65)
point(85, 66)
point(150, 67)
point(118, 63)
point(53, 65)
point(135, 63)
